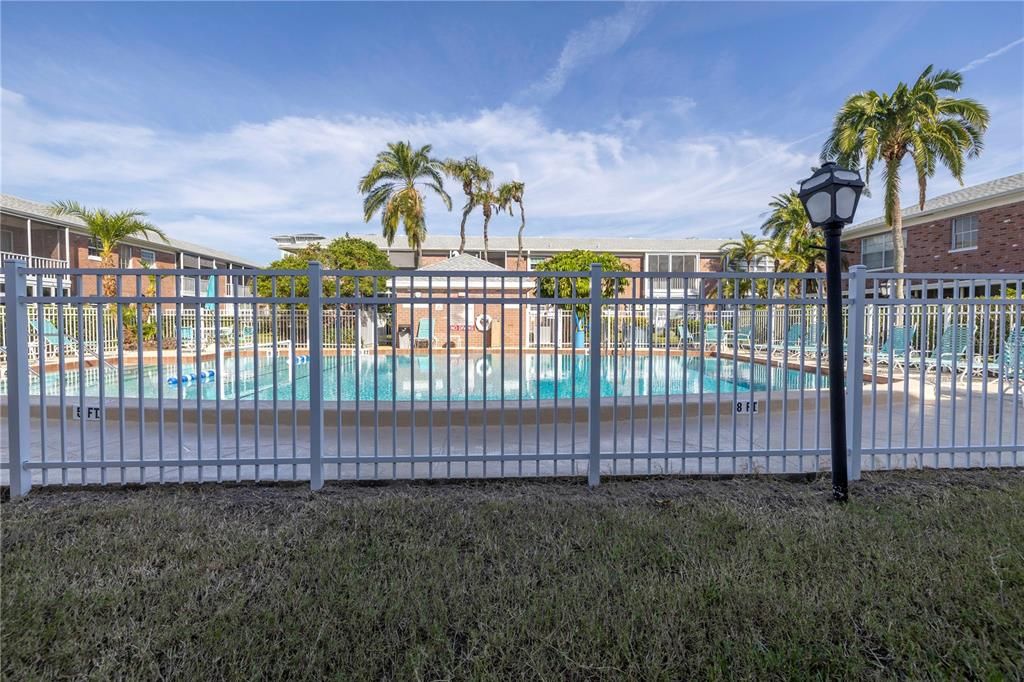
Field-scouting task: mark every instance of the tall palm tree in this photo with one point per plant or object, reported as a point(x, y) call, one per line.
point(746, 250)
point(392, 187)
point(109, 229)
point(916, 121)
point(786, 218)
point(471, 174)
point(510, 193)
point(778, 251)
point(487, 199)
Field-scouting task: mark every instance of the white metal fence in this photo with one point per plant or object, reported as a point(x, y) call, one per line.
point(468, 374)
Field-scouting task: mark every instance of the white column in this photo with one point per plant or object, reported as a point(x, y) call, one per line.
point(29, 231)
point(67, 246)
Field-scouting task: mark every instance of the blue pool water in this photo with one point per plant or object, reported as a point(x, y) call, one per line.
point(433, 378)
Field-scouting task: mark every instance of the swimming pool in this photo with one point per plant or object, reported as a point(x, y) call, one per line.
point(440, 378)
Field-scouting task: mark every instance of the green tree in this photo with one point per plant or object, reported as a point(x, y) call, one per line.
point(742, 254)
point(109, 229)
point(511, 194)
point(392, 187)
point(471, 174)
point(786, 218)
point(580, 260)
point(343, 253)
point(916, 121)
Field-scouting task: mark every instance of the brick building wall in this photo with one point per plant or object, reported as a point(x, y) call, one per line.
point(929, 244)
point(90, 286)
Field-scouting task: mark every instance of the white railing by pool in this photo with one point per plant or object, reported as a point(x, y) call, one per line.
point(352, 375)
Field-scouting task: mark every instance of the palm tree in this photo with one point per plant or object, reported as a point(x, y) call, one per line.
point(391, 186)
point(109, 229)
point(487, 199)
point(916, 121)
point(786, 218)
point(780, 254)
point(472, 174)
point(746, 250)
point(512, 193)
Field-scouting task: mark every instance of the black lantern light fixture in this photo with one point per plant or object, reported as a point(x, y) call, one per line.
point(830, 197)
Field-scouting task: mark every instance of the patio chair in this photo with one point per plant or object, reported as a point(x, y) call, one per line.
point(712, 336)
point(950, 353)
point(685, 337)
point(424, 333)
point(187, 338)
point(799, 340)
point(745, 335)
point(898, 345)
point(1008, 364)
point(54, 339)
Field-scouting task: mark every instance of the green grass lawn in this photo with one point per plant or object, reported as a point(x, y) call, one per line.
point(921, 575)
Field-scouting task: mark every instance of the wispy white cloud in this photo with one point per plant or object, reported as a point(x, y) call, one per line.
point(598, 37)
point(237, 187)
point(681, 106)
point(991, 55)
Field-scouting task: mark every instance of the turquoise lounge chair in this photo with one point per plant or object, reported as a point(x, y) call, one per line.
point(798, 335)
point(951, 351)
point(187, 338)
point(745, 335)
point(685, 337)
point(54, 339)
point(424, 333)
point(1009, 363)
point(897, 345)
point(712, 336)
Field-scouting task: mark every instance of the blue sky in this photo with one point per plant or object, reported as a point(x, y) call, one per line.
point(233, 122)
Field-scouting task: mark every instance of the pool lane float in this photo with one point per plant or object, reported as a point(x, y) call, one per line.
point(301, 359)
point(185, 379)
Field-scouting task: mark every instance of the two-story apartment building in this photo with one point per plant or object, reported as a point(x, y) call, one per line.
point(31, 233)
point(977, 229)
point(640, 254)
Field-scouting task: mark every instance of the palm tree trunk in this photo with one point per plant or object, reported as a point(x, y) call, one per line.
point(898, 252)
point(522, 226)
point(109, 281)
point(462, 231)
point(487, 219)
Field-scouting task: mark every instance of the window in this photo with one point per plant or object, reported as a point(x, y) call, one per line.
point(759, 264)
point(965, 232)
point(663, 262)
point(6, 241)
point(95, 248)
point(533, 261)
point(403, 260)
point(876, 252)
point(147, 258)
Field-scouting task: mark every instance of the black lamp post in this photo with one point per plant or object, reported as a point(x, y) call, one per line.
point(830, 198)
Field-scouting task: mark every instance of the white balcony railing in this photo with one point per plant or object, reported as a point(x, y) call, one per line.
point(33, 261)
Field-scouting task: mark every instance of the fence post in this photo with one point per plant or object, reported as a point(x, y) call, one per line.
point(314, 326)
point(855, 369)
point(18, 408)
point(594, 409)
